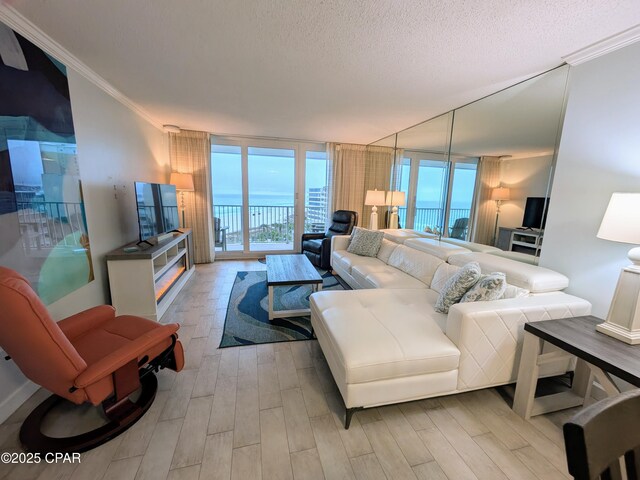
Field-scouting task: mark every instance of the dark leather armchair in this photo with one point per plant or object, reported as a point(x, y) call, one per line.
point(317, 246)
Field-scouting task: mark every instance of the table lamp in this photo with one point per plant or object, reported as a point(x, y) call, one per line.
point(499, 194)
point(183, 183)
point(620, 224)
point(395, 199)
point(374, 198)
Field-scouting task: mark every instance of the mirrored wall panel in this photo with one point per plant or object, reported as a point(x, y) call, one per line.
point(482, 173)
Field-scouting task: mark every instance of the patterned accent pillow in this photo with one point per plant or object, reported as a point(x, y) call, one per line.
point(365, 242)
point(457, 286)
point(489, 287)
point(515, 292)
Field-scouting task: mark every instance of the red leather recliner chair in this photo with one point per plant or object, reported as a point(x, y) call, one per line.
point(93, 356)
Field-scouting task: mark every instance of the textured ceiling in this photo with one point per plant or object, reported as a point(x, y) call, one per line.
point(349, 71)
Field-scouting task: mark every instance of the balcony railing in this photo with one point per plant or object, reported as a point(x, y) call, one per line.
point(270, 224)
point(432, 217)
point(47, 224)
point(267, 223)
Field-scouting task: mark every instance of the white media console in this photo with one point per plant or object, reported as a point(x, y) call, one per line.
point(145, 280)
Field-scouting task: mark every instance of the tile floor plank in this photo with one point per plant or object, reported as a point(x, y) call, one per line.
point(297, 422)
point(245, 463)
point(405, 436)
point(306, 465)
point(481, 465)
point(276, 462)
point(190, 446)
point(157, 460)
point(367, 467)
point(216, 459)
point(333, 456)
point(388, 452)
point(448, 459)
point(223, 411)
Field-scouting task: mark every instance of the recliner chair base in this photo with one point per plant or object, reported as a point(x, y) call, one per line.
point(120, 418)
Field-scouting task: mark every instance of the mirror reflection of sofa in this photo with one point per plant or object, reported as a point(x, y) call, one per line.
point(385, 343)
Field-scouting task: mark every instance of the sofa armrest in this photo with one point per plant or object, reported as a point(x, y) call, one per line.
point(489, 334)
point(340, 242)
point(75, 325)
point(123, 355)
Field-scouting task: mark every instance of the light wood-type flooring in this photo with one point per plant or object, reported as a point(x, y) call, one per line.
point(274, 412)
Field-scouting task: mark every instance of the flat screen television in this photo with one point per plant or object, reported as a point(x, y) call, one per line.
point(157, 206)
point(535, 212)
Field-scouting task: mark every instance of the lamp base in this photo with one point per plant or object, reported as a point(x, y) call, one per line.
point(623, 320)
point(393, 219)
point(619, 333)
point(373, 220)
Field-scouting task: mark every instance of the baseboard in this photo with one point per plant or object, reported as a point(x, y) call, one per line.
point(17, 398)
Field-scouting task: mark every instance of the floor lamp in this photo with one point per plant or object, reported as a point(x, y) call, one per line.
point(374, 198)
point(620, 224)
point(395, 199)
point(183, 183)
point(499, 194)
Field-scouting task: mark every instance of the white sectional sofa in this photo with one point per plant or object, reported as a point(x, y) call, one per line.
point(385, 343)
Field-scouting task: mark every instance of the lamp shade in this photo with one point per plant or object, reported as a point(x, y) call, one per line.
point(375, 198)
point(500, 193)
point(620, 222)
point(396, 198)
point(182, 181)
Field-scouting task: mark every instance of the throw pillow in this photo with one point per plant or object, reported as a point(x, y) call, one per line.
point(514, 292)
point(365, 242)
point(489, 287)
point(457, 286)
point(386, 249)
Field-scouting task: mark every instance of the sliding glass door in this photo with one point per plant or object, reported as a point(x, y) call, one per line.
point(271, 191)
point(265, 194)
point(440, 193)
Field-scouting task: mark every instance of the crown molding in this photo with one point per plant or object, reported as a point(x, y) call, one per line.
point(19, 23)
point(609, 44)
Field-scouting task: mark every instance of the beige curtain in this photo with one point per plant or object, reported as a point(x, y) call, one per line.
point(189, 152)
point(354, 169)
point(346, 168)
point(379, 165)
point(485, 218)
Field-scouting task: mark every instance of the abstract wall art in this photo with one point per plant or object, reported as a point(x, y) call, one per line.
point(43, 229)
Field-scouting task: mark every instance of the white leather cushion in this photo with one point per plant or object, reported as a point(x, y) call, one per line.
point(435, 247)
point(346, 260)
point(386, 249)
point(489, 287)
point(417, 264)
point(365, 242)
point(515, 292)
point(393, 278)
point(474, 247)
point(361, 272)
point(444, 272)
point(370, 343)
point(531, 277)
point(457, 286)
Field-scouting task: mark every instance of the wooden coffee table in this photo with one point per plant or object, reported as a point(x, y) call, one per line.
point(290, 270)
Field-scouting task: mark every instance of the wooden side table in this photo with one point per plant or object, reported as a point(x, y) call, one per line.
point(598, 356)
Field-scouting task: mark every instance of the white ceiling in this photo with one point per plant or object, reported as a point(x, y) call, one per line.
point(327, 70)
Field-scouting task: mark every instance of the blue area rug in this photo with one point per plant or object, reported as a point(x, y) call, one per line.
point(247, 321)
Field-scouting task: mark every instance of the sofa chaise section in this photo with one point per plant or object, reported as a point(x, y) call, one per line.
point(385, 343)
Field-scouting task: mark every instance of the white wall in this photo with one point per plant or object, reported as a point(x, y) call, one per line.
point(526, 177)
point(599, 154)
point(115, 148)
